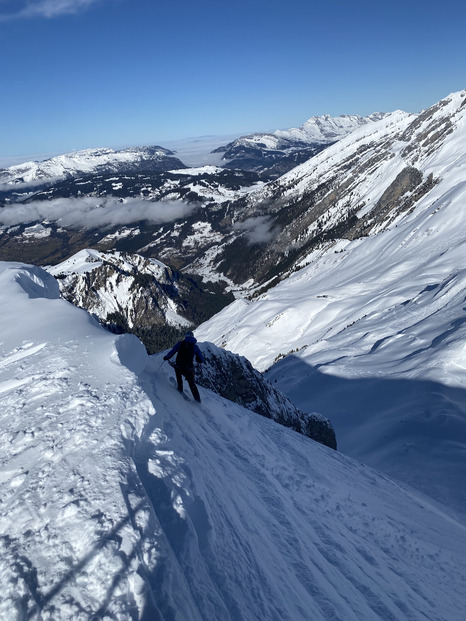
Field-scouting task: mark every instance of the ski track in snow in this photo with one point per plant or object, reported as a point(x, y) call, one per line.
point(121, 500)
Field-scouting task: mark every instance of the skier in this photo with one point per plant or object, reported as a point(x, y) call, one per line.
point(184, 365)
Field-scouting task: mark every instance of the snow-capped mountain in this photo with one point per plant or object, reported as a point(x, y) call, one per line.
point(364, 184)
point(130, 293)
point(121, 500)
point(90, 162)
point(281, 150)
point(371, 330)
point(326, 128)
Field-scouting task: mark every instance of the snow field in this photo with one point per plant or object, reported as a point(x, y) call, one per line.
point(121, 500)
point(375, 340)
point(298, 529)
point(62, 464)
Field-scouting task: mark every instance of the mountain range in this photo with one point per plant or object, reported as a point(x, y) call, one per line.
point(68, 201)
point(91, 161)
point(234, 227)
point(277, 152)
point(330, 298)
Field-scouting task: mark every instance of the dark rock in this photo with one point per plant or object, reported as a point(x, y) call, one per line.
point(234, 378)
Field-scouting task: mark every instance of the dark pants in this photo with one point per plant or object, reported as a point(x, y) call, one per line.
point(189, 375)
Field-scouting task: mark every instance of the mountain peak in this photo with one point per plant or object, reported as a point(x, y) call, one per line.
point(91, 161)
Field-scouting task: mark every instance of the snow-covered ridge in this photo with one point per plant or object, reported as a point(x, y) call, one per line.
point(131, 292)
point(367, 320)
point(375, 138)
point(316, 130)
point(90, 161)
point(399, 140)
point(363, 184)
point(121, 500)
point(327, 128)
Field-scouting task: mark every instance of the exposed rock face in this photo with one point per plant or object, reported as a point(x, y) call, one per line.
point(400, 196)
point(234, 378)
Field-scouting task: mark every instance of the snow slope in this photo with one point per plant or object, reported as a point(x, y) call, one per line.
point(120, 500)
point(372, 332)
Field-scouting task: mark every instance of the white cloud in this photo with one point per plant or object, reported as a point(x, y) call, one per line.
point(259, 229)
point(48, 8)
point(91, 212)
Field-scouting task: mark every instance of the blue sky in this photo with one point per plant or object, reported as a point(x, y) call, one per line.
point(77, 74)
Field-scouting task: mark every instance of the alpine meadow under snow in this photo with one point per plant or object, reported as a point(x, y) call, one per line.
point(120, 499)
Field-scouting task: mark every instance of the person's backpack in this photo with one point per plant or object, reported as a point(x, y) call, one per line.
point(185, 356)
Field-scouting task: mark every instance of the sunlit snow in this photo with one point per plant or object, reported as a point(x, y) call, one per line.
point(372, 332)
point(121, 500)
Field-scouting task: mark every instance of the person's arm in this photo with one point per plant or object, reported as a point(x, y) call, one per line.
point(172, 352)
point(199, 356)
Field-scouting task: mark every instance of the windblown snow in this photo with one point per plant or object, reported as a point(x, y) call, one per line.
point(121, 500)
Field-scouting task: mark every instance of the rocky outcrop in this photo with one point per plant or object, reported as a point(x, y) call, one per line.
point(234, 378)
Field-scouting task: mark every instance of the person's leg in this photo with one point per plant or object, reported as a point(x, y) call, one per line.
point(179, 379)
point(190, 379)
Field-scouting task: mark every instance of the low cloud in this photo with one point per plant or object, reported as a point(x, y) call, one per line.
point(89, 213)
point(258, 230)
point(47, 8)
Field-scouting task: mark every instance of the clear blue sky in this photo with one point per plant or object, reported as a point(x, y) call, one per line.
point(85, 73)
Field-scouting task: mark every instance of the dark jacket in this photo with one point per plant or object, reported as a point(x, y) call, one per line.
point(186, 351)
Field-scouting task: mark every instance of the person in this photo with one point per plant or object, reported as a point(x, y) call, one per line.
point(184, 365)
